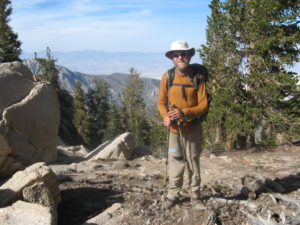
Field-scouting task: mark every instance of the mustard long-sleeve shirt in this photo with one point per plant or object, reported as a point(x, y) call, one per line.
point(195, 104)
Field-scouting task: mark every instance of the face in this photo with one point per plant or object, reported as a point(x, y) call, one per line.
point(181, 59)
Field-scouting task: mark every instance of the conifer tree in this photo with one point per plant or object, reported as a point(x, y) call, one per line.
point(270, 34)
point(91, 119)
point(222, 59)
point(9, 43)
point(114, 126)
point(48, 70)
point(67, 131)
point(249, 46)
point(157, 134)
point(97, 107)
point(134, 109)
point(80, 119)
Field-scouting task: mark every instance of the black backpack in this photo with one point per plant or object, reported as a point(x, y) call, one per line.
point(198, 73)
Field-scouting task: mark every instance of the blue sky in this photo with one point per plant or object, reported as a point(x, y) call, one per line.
point(109, 25)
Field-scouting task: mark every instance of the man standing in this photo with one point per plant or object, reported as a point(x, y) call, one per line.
point(179, 105)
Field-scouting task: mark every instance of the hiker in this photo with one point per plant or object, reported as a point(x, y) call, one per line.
point(179, 105)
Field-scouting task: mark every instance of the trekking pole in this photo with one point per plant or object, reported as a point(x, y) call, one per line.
point(166, 165)
point(166, 174)
point(188, 167)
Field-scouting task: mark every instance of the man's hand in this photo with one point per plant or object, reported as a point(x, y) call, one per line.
point(167, 121)
point(175, 114)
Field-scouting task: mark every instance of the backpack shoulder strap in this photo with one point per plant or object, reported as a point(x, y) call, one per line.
point(199, 75)
point(171, 73)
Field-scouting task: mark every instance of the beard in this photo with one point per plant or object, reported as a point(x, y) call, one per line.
point(182, 65)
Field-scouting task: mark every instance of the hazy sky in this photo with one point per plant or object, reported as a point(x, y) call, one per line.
point(109, 25)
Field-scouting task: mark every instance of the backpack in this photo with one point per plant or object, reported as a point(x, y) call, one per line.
point(198, 74)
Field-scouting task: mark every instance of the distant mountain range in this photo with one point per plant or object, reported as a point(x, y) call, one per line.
point(151, 65)
point(116, 82)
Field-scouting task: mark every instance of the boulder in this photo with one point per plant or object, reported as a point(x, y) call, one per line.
point(71, 151)
point(39, 193)
point(12, 189)
point(97, 150)
point(34, 124)
point(8, 165)
point(119, 148)
point(17, 67)
point(24, 213)
point(29, 119)
point(14, 85)
point(69, 154)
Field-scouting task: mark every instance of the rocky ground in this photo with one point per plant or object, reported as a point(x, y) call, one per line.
point(255, 186)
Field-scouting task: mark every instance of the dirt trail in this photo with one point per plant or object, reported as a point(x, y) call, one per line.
point(241, 187)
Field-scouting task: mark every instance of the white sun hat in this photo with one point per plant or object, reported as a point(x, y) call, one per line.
point(180, 46)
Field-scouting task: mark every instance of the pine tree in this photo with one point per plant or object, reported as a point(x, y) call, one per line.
point(134, 109)
point(67, 131)
point(48, 69)
point(221, 57)
point(114, 126)
point(249, 46)
point(9, 43)
point(157, 134)
point(91, 120)
point(97, 106)
point(80, 119)
point(270, 34)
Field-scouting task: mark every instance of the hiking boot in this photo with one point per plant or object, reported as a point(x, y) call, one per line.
point(198, 204)
point(168, 204)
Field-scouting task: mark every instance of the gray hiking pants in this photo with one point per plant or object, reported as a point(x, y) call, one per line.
point(192, 142)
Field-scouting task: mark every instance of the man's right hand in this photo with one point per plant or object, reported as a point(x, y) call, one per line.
point(167, 121)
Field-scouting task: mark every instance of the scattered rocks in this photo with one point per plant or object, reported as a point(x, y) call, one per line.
point(38, 186)
point(12, 189)
point(140, 181)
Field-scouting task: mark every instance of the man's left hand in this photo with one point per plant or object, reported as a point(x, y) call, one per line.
point(175, 114)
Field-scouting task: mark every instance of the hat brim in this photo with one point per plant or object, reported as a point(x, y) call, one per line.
point(190, 51)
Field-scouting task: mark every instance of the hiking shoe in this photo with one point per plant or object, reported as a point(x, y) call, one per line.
point(168, 204)
point(198, 204)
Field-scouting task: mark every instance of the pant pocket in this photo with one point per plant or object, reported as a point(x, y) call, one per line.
point(175, 149)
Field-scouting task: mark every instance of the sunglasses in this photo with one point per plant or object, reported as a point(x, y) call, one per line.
point(182, 54)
